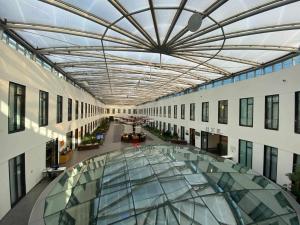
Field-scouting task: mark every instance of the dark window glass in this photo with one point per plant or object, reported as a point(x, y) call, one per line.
point(192, 111)
point(175, 111)
point(205, 111)
point(246, 112)
point(85, 110)
point(223, 112)
point(69, 109)
point(59, 109)
point(169, 111)
point(272, 112)
point(270, 163)
point(164, 111)
point(89, 112)
point(43, 108)
point(182, 133)
point(16, 107)
point(76, 110)
point(81, 110)
point(160, 111)
point(245, 153)
point(297, 112)
point(182, 111)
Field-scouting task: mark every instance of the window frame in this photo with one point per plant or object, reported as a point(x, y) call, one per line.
point(70, 106)
point(297, 112)
point(221, 120)
point(192, 111)
point(59, 114)
point(240, 112)
point(182, 111)
point(271, 162)
point(266, 111)
point(246, 152)
point(22, 107)
point(175, 111)
point(205, 105)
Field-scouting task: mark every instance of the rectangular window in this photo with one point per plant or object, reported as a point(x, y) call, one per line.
point(59, 109)
point(43, 108)
point(165, 111)
point(175, 111)
point(246, 112)
point(85, 110)
point(160, 111)
point(76, 109)
point(192, 111)
point(89, 112)
point(182, 111)
point(205, 111)
point(16, 107)
point(81, 110)
point(169, 111)
point(270, 163)
point(245, 153)
point(297, 112)
point(223, 112)
point(182, 133)
point(272, 112)
point(69, 109)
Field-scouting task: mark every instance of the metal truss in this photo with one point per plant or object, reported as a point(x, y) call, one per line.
point(109, 69)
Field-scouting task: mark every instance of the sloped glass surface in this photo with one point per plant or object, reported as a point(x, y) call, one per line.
point(164, 184)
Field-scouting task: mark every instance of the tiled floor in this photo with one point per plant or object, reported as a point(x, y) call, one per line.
point(20, 214)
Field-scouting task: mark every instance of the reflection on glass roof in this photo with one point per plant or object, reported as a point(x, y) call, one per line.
point(165, 185)
point(234, 36)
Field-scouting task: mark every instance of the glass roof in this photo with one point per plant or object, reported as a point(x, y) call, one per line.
point(164, 184)
point(152, 35)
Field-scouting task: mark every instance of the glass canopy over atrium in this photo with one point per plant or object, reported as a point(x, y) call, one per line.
point(165, 185)
point(122, 50)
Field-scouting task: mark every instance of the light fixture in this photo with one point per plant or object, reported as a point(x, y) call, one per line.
point(195, 22)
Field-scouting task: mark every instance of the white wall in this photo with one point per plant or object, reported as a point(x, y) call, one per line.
point(32, 141)
point(285, 83)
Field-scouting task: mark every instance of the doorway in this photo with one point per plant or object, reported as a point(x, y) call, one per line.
point(214, 143)
point(182, 134)
point(52, 153)
point(17, 179)
point(76, 138)
point(69, 141)
point(192, 136)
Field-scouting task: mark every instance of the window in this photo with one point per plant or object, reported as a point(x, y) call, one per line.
point(245, 153)
point(270, 163)
point(81, 110)
point(59, 109)
point(76, 109)
point(169, 111)
point(182, 134)
point(297, 112)
point(43, 108)
point(175, 111)
point(272, 112)
point(223, 112)
point(182, 111)
point(69, 109)
point(164, 111)
point(246, 112)
point(89, 112)
point(85, 110)
point(192, 111)
point(16, 104)
point(160, 111)
point(205, 111)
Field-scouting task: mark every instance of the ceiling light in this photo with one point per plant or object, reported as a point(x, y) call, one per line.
point(195, 22)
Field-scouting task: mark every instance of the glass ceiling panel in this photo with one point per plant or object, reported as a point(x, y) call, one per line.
point(158, 189)
point(137, 40)
point(100, 8)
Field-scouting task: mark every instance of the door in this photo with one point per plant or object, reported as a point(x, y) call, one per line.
point(204, 140)
point(52, 153)
point(76, 138)
point(192, 136)
point(17, 179)
point(182, 133)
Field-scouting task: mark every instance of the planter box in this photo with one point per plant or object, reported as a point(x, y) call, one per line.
point(88, 147)
point(66, 157)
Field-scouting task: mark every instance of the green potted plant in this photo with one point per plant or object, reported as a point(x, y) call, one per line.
point(295, 179)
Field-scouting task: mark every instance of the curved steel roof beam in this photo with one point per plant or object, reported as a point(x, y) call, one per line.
point(235, 18)
point(63, 30)
point(219, 57)
point(241, 33)
point(87, 15)
point(126, 14)
point(89, 48)
point(199, 48)
point(213, 7)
